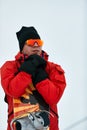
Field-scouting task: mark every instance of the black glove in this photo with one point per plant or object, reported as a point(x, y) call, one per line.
point(37, 60)
point(31, 63)
point(39, 76)
point(27, 67)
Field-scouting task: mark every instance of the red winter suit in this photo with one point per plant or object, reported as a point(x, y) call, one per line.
point(15, 84)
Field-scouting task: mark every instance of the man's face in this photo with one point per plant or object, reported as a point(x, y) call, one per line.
point(30, 50)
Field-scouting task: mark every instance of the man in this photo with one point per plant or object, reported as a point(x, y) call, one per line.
point(33, 85)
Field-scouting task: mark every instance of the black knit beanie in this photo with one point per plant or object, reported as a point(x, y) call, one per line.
point(26, 33)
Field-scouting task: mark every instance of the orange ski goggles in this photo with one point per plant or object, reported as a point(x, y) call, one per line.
point(31, 42)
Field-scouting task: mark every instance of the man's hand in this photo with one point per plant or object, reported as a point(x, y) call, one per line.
point(39, 76)
point(37, 60)
point(31, 64)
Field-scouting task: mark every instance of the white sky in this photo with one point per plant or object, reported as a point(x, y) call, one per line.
point(62, 26)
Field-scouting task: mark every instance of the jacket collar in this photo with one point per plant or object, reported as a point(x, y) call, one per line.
point(20, 56)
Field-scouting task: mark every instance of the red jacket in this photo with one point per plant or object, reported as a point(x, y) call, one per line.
point(14, 85)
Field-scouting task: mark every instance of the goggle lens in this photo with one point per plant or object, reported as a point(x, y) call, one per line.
point(31, 42)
